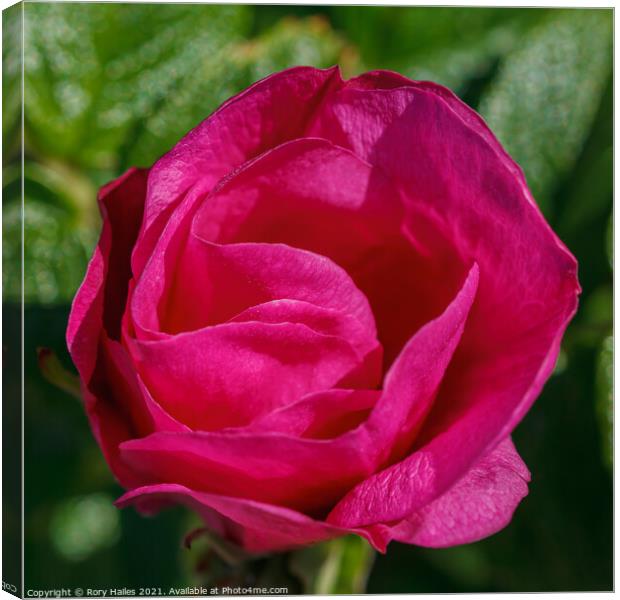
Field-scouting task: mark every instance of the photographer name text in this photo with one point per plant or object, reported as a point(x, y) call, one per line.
point(156, 592)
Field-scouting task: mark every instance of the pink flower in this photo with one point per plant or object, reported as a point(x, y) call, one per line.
point(323, 311)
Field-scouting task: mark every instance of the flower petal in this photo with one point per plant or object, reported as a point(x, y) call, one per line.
point(320, 415)
point(303, 474)
point(125, 387)
point(96, 314)
point(255, 526)
point(215, 282)
point(307, 193)
point(100, 299)
point(478, 505)
point(311, 329)
point(230, 374)
point(314, 195)
point(412, 383)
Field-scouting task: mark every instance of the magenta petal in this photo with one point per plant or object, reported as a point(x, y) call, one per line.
point(147, 298)
point(119, 407)
point(110, 427)
point(478, 505)
point(100, 300)
point(255, 526)
point(411, 384)
point(327, 322)
point(126, 387)
point(85, 319)
point(97, 309)
point(320, 415)
point(307, 193)
point(230, 374)
point(215, 282)
point(314, 195)
point(460, 185)
point(304, 474)
point(311, 329)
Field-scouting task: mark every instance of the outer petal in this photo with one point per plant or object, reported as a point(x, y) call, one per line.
point(256, 526)
point(478, 505)
point(95, 314)
point(100, 298)
point(461, 191)
point(460, 185)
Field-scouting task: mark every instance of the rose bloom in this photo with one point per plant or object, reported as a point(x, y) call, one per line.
point(323, 312)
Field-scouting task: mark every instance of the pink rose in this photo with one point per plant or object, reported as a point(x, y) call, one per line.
point(323, 311)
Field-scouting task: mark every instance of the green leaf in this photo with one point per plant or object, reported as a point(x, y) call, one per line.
point(389, 35)
point(585, 196)
point(93, 69)
point(594, 320)
point(290, 42)
point(113, 85)
point(451, 46)
point(463, 59)
point(542, 105)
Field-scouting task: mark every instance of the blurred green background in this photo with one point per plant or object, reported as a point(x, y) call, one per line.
point(108, 86)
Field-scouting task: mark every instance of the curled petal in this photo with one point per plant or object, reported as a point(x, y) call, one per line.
point(101, 298)
point(478, 505)
point(96, 316)
point(411, 384)
point(312, 194)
